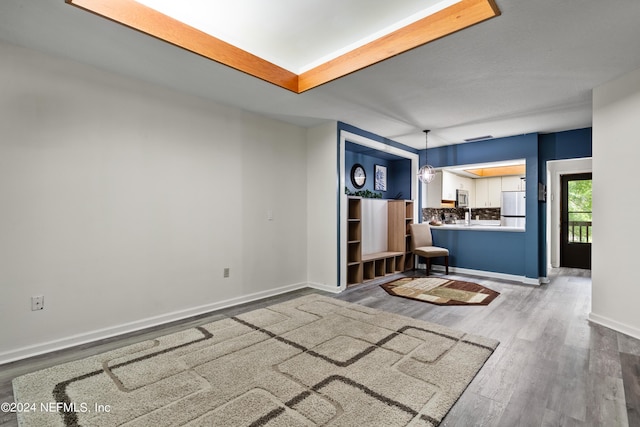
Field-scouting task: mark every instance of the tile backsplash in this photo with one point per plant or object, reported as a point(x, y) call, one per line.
point(452, 214)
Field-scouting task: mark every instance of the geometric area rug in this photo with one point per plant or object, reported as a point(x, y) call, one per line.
point(309, 361)
point(441, 291)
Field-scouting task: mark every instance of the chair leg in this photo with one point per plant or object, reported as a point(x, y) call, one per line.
point(428, 265)
point(446, 263)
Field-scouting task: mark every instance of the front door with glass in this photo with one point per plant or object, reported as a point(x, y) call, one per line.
point(576, 222)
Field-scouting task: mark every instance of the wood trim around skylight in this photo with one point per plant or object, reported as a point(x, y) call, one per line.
point(149, 21)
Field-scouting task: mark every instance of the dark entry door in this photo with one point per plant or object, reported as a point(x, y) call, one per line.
point(575, 228)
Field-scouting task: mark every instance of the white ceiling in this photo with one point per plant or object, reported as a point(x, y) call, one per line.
point(532, 69)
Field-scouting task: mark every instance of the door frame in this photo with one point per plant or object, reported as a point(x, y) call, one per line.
point(556, 168)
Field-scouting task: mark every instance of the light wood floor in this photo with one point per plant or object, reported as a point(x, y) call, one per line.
point(552, 367)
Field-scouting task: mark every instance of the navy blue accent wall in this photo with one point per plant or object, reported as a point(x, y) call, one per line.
point(572, 144)
point(492, 150)
point(401, 179)
point(398, 174)
point(497, 251)
point(374, 137)
point(398, 170)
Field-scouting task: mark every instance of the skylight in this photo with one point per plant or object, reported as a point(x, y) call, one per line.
point(298, 35)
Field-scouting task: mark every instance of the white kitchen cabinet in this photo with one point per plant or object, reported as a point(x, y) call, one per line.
point(482, 192)
point(488, 192)
point(495, 192)
point(513, 183)
point(452, 182)
point(448, 186)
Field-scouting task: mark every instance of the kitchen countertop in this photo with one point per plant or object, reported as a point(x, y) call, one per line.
point(477, 225)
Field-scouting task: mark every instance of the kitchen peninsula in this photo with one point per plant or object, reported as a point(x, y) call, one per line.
point(488, 250)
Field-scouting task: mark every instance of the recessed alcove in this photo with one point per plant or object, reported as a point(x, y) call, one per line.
point(366, 250)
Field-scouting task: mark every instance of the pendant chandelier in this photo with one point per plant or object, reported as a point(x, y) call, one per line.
point(426, 172)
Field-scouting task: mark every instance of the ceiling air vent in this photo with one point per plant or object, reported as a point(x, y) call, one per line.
point(478, 138)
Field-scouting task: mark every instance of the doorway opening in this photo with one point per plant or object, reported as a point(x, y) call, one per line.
point(576, 220)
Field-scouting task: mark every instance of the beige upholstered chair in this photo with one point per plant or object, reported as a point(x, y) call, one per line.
point(422, 245)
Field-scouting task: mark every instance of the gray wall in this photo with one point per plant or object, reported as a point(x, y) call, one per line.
point(122, 202)
point(616, 150)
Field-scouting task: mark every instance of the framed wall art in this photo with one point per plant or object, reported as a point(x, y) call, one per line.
point(380, 178)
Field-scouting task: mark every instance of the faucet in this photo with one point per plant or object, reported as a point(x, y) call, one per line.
point(468, 217)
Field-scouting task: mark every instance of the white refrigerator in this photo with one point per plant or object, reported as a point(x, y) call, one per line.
point(513, 209)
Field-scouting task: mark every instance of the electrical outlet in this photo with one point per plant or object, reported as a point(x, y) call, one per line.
point(37, 303)
point(226, 272)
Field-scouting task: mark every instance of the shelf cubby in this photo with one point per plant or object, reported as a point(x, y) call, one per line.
point(354, 273)
point(368, 272)
point(354, 230)
point(399, 265)
point(355, 208)
point(379, 268)
point(354, 254)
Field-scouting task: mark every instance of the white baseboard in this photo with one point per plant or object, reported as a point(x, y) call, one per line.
point(326, 288)
point(491, 274)
point(615, 325)
point(71, 341)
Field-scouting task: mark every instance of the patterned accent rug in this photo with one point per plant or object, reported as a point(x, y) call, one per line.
point(309, 361)
point(441, 291)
